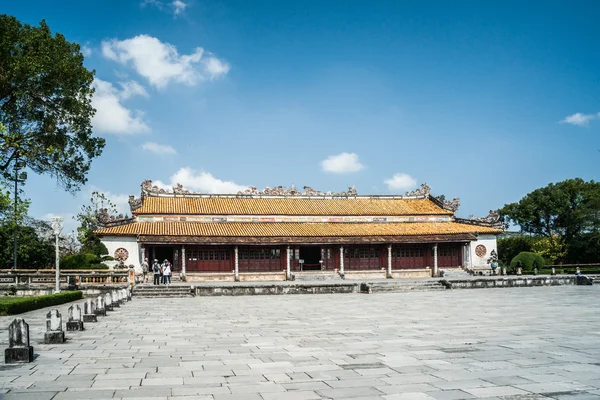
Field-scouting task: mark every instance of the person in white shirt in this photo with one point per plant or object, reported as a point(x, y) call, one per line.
point(167, 272)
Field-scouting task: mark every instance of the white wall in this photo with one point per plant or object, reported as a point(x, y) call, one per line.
point(130, 244)
point(489, 242)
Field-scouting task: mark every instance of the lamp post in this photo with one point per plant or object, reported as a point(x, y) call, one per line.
point(57, 227)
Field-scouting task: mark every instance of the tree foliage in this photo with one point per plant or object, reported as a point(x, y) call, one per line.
point(509, 247)
point(560, 212)
point(35, 249)
point(88, 220)
point(45, 103)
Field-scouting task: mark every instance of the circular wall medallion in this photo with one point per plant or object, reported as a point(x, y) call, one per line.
point(480, 250)
point(121, 254)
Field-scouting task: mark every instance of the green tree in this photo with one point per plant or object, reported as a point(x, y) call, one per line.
point(35, 247)
point(560, 212)
point(509, 247)
point(45, 104)
point(88, 223)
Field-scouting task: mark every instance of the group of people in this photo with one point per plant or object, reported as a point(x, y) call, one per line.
point(162, 272)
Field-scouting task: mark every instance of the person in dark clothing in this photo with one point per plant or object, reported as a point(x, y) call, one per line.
point(156, 271)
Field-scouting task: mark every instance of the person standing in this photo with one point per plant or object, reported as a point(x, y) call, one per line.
point(163, 266)
point(156, 271)
point(145, 270)
point(167, 273)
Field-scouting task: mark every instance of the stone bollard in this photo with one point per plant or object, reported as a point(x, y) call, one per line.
point(19, 350)
point(100, 307)
point(535, 271)
point(128, 293)
point(108, 306)
point(519, 271)
point(553, 271)
point(115, 299)
point(89, 311)
point(75, 323)
point(578, 271)
point(124, 295)
point(54, 333)
point(504, 271)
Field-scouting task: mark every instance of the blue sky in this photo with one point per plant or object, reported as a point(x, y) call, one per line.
point(485, 101)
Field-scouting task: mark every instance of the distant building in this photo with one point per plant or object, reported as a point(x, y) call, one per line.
point(278, 232)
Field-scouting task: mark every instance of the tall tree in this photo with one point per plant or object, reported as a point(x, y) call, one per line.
point(88, 220)
point(45, 104)
point(560, 212)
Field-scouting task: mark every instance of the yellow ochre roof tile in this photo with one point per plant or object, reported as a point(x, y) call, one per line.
point(287, 206)
point(292, 229)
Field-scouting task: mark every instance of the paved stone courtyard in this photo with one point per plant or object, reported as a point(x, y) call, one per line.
point(521, 343)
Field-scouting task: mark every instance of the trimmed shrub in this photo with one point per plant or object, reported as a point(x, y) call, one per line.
point(82, 261)
point(527, 261)
point(18, 305)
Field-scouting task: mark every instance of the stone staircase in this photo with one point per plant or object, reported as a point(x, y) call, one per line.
point(316, 276)
point(402, 285)
point(149, 290)
point(455, 273)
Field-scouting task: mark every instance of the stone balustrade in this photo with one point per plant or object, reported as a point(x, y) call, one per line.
point(36, 278)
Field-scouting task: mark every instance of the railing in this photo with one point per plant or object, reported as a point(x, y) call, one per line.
point(67, 278)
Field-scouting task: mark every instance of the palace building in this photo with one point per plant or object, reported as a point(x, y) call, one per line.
point(277, 233)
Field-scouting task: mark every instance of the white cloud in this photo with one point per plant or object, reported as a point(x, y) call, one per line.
point(86, 51)
point(342, 163)
point(131, 89)
point(400, 182)
point(215, 67)
point(112, 116)
point(202, 182)
point(178, 7)
point(580, 119)
point(163, 149)
point(160, 62)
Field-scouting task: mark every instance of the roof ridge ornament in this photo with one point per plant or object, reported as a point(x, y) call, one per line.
point(424, 191)
point(105, 219)
point(493, 220)
point(447, 204)
point(292, 191)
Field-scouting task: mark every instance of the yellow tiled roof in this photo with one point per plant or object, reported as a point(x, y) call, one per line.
point(234, 229)
point(287, 206)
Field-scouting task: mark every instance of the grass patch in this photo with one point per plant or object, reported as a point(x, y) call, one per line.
point(17, 305)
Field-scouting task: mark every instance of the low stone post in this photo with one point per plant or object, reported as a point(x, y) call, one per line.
point(578, 271)
point(128, 294)
point(89, 311)
point(124, 295)
point(519, 271)
point(108, 302)
point(115, 299)
point(504, 271)
point(19, 350)
point(54, 332)
point(535, 271)
point(100, 306)
point(75, 323)
point(553, 271)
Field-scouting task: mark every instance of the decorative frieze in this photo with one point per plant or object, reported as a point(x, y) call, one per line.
point(278, 219)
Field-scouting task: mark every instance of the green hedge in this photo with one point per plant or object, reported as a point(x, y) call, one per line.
point(18, 305)
point(528, 261)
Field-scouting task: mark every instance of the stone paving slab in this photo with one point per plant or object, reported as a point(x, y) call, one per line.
point(513, 344)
